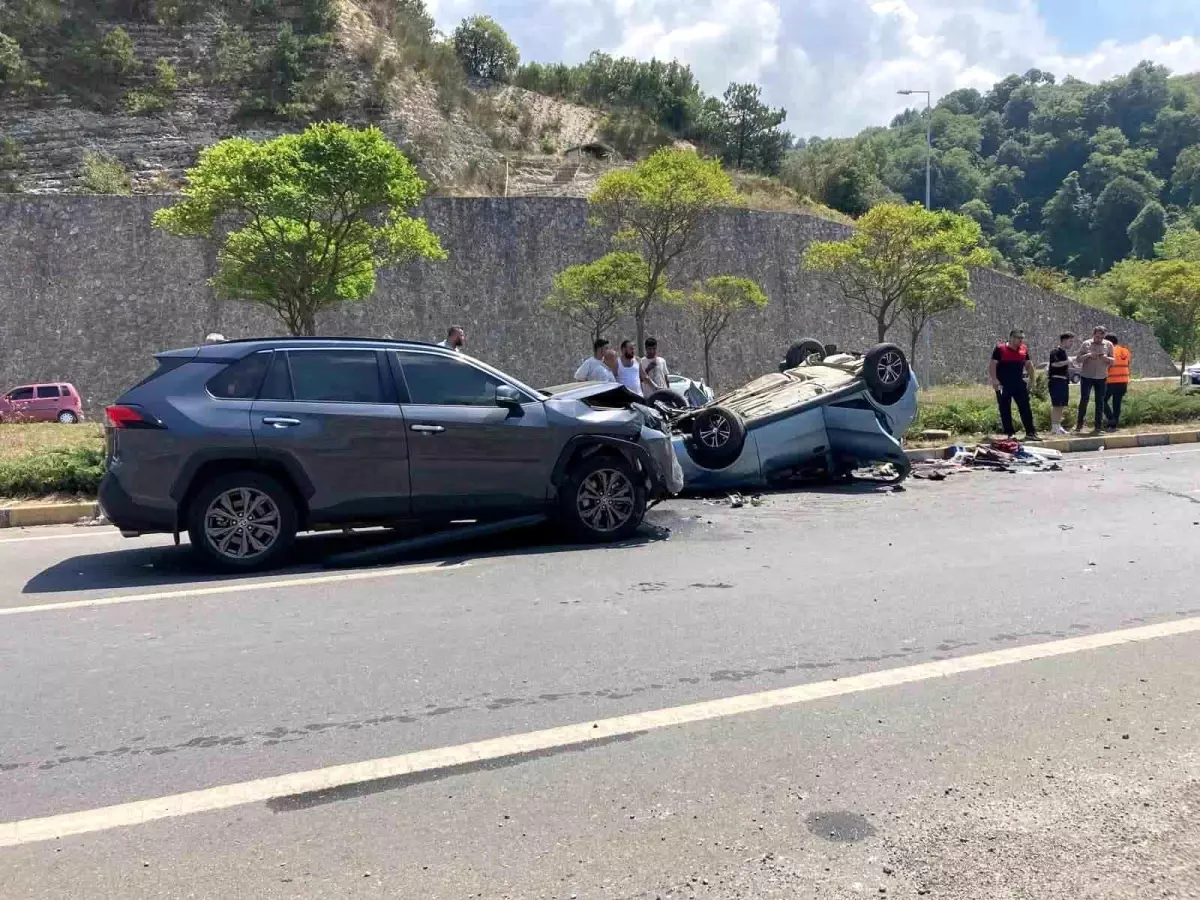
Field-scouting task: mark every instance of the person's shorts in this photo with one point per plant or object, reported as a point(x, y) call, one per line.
point(1060, 391)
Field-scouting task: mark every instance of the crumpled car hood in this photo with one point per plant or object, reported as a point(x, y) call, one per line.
point(621, 396)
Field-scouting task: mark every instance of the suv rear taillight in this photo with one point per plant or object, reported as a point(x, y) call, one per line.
point(130, 417)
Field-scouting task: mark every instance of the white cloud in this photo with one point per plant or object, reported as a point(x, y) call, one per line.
point(835, 65)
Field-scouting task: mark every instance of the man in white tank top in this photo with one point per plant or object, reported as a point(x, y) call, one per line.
point(629, 369)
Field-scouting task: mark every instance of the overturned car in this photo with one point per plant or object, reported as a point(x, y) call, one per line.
point(822, 414)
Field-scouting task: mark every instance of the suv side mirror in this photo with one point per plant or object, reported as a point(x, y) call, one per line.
point(507, 395)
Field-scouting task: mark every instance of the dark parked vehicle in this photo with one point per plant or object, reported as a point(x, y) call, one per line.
point(42, 403)
point(243, 444)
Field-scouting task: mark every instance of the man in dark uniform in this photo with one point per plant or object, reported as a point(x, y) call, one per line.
point(1010, 372)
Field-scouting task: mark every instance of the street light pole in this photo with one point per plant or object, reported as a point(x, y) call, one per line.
point(928, 207)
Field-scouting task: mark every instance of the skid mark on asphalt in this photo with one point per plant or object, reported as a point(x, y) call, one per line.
point(332, 778)
point(236, 587)
point(296, 802)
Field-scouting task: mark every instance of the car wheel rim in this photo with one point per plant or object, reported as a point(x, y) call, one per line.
point(605, 500)
point(890, 368)
point(716, 433)
point(242, 523)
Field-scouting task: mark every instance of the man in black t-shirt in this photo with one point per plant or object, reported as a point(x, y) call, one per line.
point(1008, 370)
point(1058, 375)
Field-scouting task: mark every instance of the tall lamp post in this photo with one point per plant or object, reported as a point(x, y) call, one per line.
point(928, 206)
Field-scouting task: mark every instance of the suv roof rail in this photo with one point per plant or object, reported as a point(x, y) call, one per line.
point(328, 337)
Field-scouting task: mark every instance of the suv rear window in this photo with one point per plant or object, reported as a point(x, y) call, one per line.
point(48, 391)
point(240, 380)
point(336, 376)
point(165, 365)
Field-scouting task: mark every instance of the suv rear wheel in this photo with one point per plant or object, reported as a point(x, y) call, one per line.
point(242, 521)
point(603, 499)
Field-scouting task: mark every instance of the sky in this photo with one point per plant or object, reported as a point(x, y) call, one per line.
point(835, 65)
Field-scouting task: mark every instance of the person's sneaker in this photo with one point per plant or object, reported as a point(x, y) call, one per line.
point(1058, 429)
point(1033, 436)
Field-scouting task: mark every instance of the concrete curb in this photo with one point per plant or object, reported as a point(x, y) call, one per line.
point(46, 514)
point(1086, 444)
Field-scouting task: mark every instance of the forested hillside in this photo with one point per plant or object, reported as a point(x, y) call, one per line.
point(1067, 175)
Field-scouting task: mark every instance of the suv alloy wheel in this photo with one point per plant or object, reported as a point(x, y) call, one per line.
point(242, 521)
point(603, 499)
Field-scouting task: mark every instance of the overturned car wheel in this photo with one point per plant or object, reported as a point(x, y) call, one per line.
point(885, 370)
point(800, 352)
point(603, 499)
point(718, 436)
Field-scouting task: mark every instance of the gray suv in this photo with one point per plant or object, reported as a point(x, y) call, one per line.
point(245, 443)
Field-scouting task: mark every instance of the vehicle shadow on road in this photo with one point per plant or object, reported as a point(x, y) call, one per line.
point(164, 567)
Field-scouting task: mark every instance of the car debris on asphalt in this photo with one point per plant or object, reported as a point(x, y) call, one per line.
point(994, 455)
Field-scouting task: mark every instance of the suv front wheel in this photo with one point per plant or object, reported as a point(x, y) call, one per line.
point(603, 499)
point(242, 521)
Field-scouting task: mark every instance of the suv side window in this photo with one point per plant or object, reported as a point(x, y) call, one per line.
point(240, 380)
point(21, 394)
point(47, 392)
point(336, 376)
point(435, 380)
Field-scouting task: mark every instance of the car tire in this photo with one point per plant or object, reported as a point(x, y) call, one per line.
point(718, 436)
point(799, 352)
point(669, 399)
point(886, 371)
point(603, 499)
point(66, 417)
point(226, 538)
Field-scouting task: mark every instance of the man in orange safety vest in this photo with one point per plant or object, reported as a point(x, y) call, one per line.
point(1118, 382)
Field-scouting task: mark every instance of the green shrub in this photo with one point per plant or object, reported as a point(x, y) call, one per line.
point(232, 54)
point(158, 95)
point(12, 164)
point(71, 471)
point(104, 174)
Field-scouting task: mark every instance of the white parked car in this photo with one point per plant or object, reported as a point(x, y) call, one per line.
point(693, 393)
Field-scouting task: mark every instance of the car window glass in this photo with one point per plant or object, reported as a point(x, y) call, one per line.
point(336, 376)
point(47, 392)
point(240, 380)
point(278, 385)
point(21, 394)
point(441, 381)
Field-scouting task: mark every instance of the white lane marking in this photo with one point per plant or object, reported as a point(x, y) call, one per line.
point(1091, 456)
point(29, 831)
point(234, 588)
point(92, 533)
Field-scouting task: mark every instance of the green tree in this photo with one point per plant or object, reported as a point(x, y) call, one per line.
point(899, 256)
point(594, 296)
point(12, 165)
point(1116, 208)
point(313, 217)
point(1171, 289)
point(1066, 224)
point(1180, 242)
point(712, 305)
point(747, 130)
point(484, 49)
point(658, 210)
point(1185, 180)
point(16, 74)
point(1148, 229)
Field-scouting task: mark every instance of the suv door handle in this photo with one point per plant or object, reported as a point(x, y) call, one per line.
point(427, 429)
point(280, 421)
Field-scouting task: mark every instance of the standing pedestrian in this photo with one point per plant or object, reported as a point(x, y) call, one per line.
point(1010, 372)
point(1118, 382)
point(1058, 379)
point(593, 368)
point(1094, 358)
point(455, 339)
point(655, 374)
point(629, 370)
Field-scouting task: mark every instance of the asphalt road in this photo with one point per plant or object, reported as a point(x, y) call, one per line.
point(1003, 701)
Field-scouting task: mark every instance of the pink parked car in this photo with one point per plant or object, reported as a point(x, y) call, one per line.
point(42, 403)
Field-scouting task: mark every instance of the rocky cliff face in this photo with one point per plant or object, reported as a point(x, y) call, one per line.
point(89, 291)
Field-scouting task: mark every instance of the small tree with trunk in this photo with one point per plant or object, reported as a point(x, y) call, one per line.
point(899, 256)
point(304, 220)
point(712, 304)
point(594, 296)
point(658, 209)
point(1170, 289)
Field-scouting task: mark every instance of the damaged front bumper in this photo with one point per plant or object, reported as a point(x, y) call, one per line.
point(667, 473)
